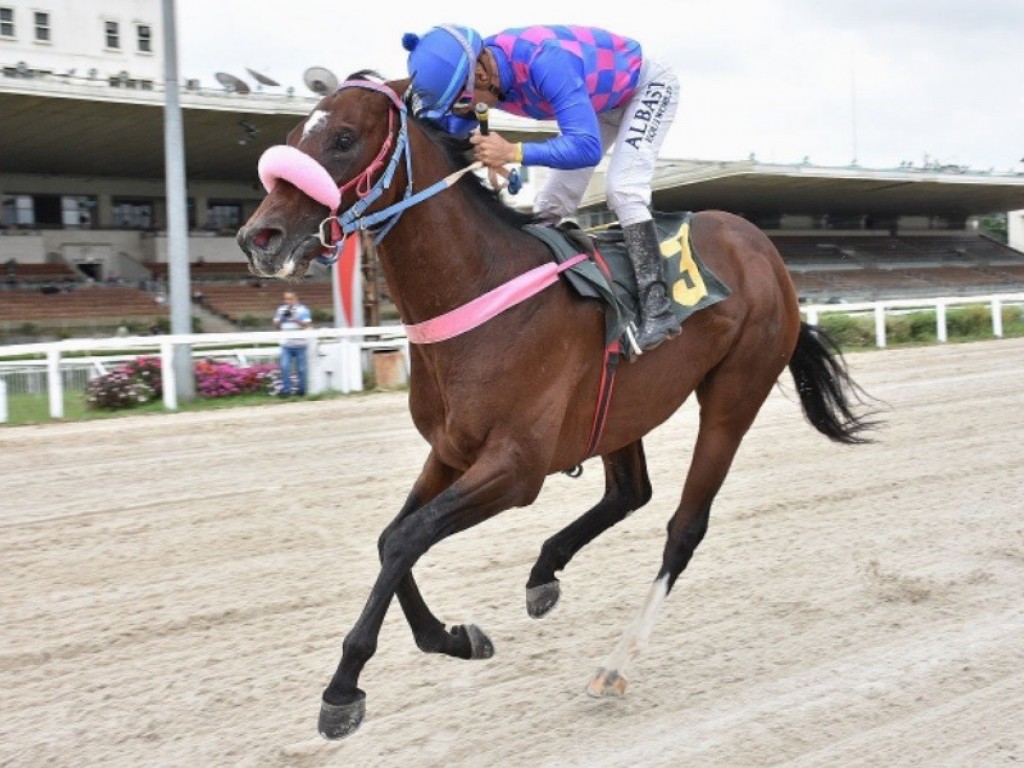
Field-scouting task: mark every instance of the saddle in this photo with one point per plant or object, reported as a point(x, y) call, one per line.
point(608, 274)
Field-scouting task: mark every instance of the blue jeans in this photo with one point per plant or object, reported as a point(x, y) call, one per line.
point(293, 356)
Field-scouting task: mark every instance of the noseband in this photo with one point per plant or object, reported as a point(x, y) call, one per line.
point(308, 175)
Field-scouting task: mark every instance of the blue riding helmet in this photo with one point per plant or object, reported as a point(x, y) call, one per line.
point(442, 65)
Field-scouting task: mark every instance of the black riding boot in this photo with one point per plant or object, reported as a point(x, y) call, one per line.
point(657, 321)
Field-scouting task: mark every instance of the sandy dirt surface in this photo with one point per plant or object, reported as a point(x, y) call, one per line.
point(176, 590)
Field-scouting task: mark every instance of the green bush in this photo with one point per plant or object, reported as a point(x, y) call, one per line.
point(972, 321)
point(1013, 321)
point(914, 328)
point(849, 330)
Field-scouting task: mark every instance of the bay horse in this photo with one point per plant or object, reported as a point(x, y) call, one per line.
point(511, 401)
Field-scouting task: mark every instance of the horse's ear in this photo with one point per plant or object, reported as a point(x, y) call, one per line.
point(402, 88)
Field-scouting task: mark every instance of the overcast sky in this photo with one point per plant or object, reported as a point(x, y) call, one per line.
point(879, 81)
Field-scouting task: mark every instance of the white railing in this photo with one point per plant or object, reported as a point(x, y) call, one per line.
point(880, 309)
point(338, 357)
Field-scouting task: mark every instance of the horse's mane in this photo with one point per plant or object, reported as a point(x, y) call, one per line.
point(459, 154)
point(366, 74)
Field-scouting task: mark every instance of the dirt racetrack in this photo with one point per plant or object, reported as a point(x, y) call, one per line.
point(176, 589)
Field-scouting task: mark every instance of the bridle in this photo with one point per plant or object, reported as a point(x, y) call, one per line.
point(304, 172)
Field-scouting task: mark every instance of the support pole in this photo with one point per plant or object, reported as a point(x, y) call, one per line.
point(177, 214)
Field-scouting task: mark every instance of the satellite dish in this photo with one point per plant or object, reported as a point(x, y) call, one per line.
point(232, 83)
point(261, 78)
point(320, 80)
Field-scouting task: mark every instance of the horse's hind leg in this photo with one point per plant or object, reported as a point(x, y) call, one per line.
point(729, 402)
point(626, 489)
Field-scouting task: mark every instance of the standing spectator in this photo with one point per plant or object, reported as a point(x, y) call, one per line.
point(293, 316)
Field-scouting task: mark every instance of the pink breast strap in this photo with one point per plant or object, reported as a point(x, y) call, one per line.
point(483, 308)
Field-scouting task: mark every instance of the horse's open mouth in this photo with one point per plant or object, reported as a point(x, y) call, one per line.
point(297, 262)
point(263, 263)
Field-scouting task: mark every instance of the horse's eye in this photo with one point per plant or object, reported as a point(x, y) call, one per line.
point(342, 142)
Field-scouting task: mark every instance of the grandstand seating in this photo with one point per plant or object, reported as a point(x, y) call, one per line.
point(88, 307)
point(21, 274)
point(825, 249)
point(254, 300)
point(1013, 272)
point(205, 270)
point(827, 266)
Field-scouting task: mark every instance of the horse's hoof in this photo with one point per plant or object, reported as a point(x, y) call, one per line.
point(480, 644)
point(606, 683)
point(340, 720)
point(540, 600)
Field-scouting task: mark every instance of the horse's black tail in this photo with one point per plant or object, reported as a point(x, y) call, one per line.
point(827, 392)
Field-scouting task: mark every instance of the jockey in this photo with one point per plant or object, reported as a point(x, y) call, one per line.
point(602, 92)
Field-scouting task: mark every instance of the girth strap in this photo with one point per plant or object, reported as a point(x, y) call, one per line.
point(612, 353)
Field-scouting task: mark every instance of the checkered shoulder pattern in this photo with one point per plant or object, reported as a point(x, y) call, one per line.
point(610, 66)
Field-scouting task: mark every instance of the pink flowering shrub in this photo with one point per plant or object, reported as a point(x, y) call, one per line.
point(117, 389)
point(146, 370)
point(220, 379)
point(139, 381)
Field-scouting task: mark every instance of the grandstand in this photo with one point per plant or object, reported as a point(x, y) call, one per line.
point(83, 210)
point(252, 303)
point(38, 274)
point(203, 271)
point(78, 308)
point(861, 267)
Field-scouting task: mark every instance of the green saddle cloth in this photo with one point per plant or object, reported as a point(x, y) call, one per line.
point(692, 285)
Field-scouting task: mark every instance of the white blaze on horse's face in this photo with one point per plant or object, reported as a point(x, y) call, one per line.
point(316, 121)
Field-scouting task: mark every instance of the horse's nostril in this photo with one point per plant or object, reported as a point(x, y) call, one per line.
point(261, 238)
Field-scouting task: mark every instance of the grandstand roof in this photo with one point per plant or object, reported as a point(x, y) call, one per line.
point(751, 187)
point(72, 129)
point(80, 130)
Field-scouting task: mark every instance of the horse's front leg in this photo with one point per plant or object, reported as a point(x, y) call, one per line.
point(626, 489)
point(492, 485)
point(431, 635)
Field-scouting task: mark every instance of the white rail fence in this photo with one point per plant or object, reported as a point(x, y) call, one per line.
point(882, 309)
point(338, 358)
